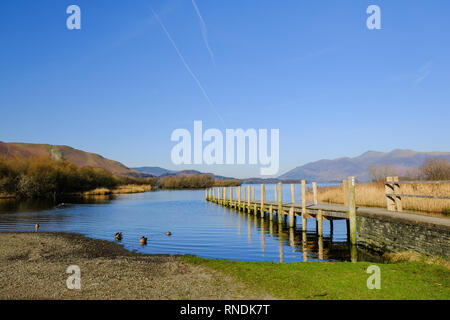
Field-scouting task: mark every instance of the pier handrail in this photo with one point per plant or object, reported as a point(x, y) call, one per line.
point(394, 196)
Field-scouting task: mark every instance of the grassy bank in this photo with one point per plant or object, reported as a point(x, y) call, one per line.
point(337, 280)
point(372, 195)
point(33, 266)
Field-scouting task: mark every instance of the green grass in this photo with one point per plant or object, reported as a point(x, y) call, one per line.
point(336, 280)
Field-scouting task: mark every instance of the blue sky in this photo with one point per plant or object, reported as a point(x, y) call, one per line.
point(312, 69)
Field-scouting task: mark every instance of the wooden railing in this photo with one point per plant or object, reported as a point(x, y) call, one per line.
point(392, 190)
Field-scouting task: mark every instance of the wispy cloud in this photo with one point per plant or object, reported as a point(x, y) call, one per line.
point(188, 68)
point(204, 31)
point(423, 73)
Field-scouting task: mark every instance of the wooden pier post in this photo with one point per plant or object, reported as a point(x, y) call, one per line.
point(293, 192)
point(280, 203)
point(231, 196)
point(263, 199)
point(314, 185)
point(248, 199)
point(239, 197)
point(320, 223)
point(270, 213)
point(253, 193)
point(280, 197)
point(291, 217)
point(345, 192)
point(276, 194)
point(303, 205)
point(352, 209)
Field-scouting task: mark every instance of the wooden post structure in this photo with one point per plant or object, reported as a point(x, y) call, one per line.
point(280, 198)
point(276, 194)
point(303, 205)
point(239, 197)
point(263, 199)
point(291, 217)
point(293, 192)
point(248, 199)
point(253, 193)
point(231, 196)
point(271, 213)
point(389, 190)
point(320, 223)
point(352, 209)
point(345, 192)
point(314, 185)
point(398, 197)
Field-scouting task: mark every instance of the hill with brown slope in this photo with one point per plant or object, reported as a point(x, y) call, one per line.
point(77, 157)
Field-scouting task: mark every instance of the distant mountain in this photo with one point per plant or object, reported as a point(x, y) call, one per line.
point(77, 157)
point(156, 171)
point(161, 172)
point(338, 169)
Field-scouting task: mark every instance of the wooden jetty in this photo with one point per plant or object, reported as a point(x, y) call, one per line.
point(243, 199)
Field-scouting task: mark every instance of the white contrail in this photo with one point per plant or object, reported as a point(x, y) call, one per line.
point(204, 31)
point(187, 66)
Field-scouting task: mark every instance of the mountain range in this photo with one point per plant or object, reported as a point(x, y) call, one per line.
point(77, 157)
point(321, 171)
point(401, 160)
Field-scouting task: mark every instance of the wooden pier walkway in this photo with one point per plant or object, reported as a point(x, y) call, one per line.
point(243, 199)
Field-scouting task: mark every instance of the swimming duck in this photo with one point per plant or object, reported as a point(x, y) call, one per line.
point(36, 227)
point(168, 233)
point(118, 236)
point(143, 241)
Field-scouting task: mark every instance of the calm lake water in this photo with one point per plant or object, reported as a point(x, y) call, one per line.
point(198, 227)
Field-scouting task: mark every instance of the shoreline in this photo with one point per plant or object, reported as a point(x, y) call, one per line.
point(33, 266)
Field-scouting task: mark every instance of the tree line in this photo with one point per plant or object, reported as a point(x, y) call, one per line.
point(434, 169)
point(47, 178)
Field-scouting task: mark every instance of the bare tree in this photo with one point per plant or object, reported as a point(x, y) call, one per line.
point(379, 172)
point(435, 169)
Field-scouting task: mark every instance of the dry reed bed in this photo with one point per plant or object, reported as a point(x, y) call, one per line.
point(372, 195)
point(129, 188)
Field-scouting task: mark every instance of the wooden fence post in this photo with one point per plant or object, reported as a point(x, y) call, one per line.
point(276, 194)
point(352, 209)
point(314, 185)
point(303, 205)
point(389, 190)
point(398, 197)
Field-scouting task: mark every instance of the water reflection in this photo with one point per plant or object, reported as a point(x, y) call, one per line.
point(198, 227)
